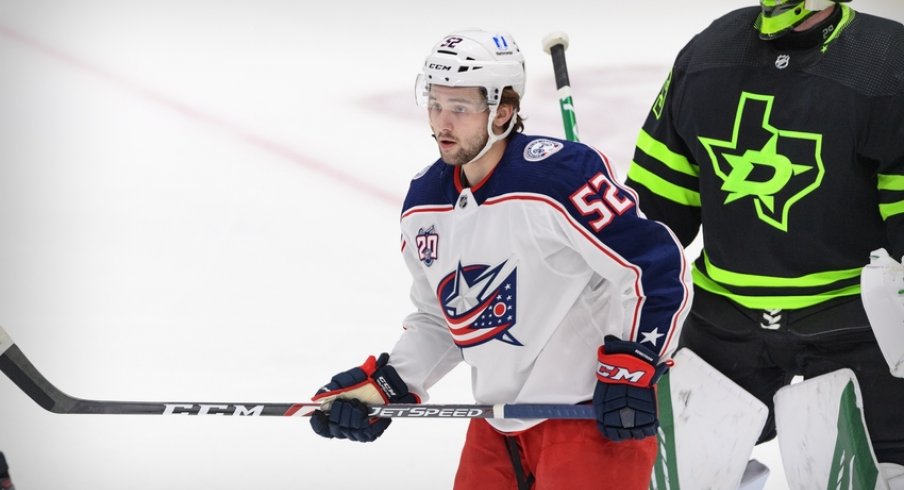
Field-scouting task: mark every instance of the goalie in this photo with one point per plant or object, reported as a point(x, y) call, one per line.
point(780, 131)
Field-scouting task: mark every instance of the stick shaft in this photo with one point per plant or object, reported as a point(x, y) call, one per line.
point(560, 68)
point(563, 87)
point(26, 376)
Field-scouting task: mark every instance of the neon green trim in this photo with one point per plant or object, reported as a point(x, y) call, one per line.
point(891, 209)
point(662, 187)
point(847, 15)
point(730, 278)
point(770, 302)
point(773, 25)
point(675, 161)
point(659, 105)
point(891, 182)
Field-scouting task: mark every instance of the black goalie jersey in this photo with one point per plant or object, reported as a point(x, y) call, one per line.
point(792, 158)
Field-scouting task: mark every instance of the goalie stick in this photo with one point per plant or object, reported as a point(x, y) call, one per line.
point(555, 45)
point(23, 373)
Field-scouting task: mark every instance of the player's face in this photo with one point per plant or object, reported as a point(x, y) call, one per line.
point(458, 117)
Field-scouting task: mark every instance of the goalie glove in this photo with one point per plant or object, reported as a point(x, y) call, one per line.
point(625, 398)
point(882, 292)
point(345, 401)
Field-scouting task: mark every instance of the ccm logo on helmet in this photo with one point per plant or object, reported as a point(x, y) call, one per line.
point(437, 66)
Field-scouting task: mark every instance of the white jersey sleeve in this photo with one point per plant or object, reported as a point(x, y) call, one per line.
point(425, 351)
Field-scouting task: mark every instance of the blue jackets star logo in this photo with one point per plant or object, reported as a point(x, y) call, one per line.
point(479, 303)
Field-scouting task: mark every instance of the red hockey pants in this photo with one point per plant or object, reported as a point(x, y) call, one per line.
point(556, 455)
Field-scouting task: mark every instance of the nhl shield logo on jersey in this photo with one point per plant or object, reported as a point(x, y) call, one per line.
point(479, 303)
point(782, 61)
point(541, 149)
point(427, 242)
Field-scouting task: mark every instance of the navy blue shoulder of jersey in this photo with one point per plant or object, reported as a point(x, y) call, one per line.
point(543, 165)
point(573, 175)
point(531, 164)
point(431, 186)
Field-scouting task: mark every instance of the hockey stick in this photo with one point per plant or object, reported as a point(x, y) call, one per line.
point(22, 372)
point(555, 45)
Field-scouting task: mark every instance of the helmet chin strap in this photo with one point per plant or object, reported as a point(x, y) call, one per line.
point(492, 137)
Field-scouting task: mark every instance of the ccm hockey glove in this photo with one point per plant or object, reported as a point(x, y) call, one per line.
point(625, 398)
point(345, 400)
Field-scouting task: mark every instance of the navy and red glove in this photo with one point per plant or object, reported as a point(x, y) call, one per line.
point(625, 396)
point(345, 401)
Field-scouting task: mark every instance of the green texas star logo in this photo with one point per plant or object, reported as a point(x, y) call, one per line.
point(773, 167)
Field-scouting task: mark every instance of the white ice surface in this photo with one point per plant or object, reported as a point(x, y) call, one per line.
point(199, 201)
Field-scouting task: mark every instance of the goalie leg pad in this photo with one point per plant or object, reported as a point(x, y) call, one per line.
point(698, 405)
point(822, 433)
point(893, 474)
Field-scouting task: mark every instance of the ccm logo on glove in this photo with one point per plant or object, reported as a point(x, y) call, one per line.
point(624, 368)
point(624, 399)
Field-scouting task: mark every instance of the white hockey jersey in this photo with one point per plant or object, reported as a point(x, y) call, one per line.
point(522, 275)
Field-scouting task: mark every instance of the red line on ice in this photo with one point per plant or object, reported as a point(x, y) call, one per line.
point(259, 141)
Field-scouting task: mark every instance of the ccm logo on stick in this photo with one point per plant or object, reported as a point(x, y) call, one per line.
point(212, 409)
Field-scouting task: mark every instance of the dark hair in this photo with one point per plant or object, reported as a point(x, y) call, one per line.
point(510, 97)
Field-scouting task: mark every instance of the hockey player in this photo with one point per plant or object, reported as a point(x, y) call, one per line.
point(780, 130)
point(531, 264)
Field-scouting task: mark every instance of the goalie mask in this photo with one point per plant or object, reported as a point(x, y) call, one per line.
point(487, 60)
point(780, 16)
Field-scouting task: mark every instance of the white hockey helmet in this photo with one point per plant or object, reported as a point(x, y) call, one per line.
point(474, 58)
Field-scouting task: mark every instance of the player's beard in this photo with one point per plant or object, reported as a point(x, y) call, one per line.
point(467, 150)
